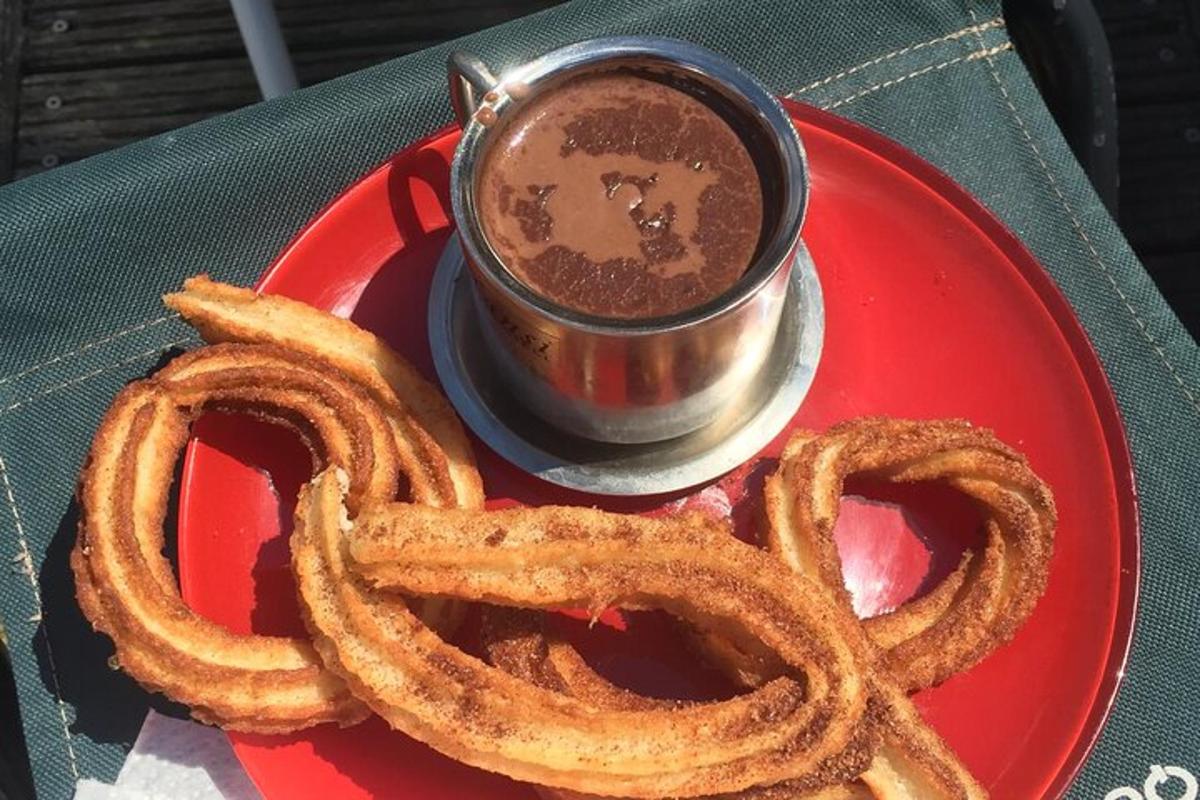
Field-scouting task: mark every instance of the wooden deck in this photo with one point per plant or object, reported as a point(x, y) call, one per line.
point(96, 74)
point(1156, 60)
point(81, 76)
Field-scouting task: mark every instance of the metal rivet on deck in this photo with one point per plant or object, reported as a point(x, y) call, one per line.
point(53, 102)
point(1166, 54)
point(49, 161)
point(60, 26)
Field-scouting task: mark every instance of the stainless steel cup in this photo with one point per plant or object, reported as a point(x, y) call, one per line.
point(640, 380)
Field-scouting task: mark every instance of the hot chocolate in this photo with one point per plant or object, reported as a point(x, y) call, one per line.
point(619, 196)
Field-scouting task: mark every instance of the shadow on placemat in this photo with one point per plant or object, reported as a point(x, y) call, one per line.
point(16, 780)
point(109, 705)
point(102, 703)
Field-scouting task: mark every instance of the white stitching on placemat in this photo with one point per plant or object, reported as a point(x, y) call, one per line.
point(996, 22)
point(26, 561)
point(88, 376)
point(973, 56)
point(1079, 229)
point(141, 326)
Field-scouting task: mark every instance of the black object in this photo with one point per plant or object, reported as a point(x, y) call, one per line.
point(16, 780)
point(1065, 50)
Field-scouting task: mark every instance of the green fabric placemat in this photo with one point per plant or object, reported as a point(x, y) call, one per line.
point(85, 251)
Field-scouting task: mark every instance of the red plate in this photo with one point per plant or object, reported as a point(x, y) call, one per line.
point(933, 309)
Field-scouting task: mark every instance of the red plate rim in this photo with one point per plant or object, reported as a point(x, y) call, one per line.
point(1100, 388)
point(1058, 307)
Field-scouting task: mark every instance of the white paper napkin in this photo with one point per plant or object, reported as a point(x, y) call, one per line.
point(175, 759)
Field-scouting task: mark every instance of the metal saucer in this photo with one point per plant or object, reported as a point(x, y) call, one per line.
point(469, 380)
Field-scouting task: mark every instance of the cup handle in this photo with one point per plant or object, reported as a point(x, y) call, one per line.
point(470, 79)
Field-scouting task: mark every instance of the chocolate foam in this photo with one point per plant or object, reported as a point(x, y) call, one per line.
point(621, 197)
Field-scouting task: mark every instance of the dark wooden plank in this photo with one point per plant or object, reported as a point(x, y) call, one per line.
point(82, 37)
point(1125, 17)
point(1178, 278)
point(1154, 47)
point(11, 39)
point(1160, 205)
point(1161, 131)
point(66, 116)
point(58, 5)
point(179, 61)
point(126, 32)
point(1156, 59)
point(1177, 272)
point(1118, 16)
point(1156, 70)
point(172, 30)
point(58, 98)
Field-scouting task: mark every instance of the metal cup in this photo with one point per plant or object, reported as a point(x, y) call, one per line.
point(631, 380)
